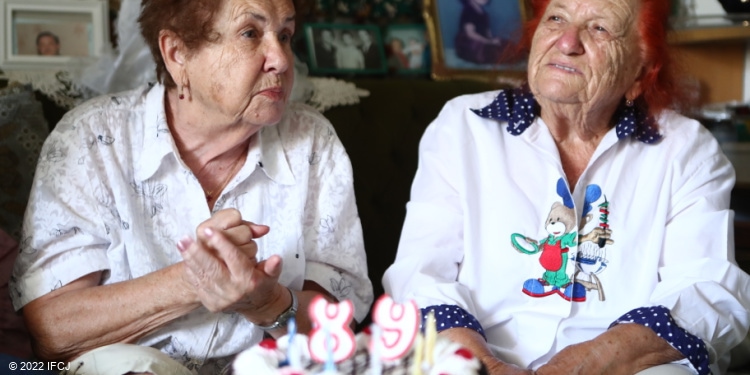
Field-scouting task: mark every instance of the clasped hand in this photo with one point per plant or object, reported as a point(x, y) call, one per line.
point(221, 265)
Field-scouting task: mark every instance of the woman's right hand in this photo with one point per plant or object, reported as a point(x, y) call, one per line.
point(222, 269)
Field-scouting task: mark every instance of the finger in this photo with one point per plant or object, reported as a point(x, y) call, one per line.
point(239, 235)
point(199, 259)
point(272, 266)
point(259, 230)
point(233, 258)
point(222, 219)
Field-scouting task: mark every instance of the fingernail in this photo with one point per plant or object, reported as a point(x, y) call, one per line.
point(184, 243)
point(208, 232)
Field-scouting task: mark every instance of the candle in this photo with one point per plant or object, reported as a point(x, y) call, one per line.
point(430, 335)
point(416, 368)
point(331, 322)
point(330, 365)
point(292, 352)
point(376, 366)
point(399, 324)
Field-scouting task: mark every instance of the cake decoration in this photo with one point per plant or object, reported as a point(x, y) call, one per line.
point(392, 345)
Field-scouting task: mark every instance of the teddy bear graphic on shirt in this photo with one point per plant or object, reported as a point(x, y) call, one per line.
point(562, 246)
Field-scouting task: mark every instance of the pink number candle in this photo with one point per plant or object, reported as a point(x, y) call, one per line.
point(331, 336)
point(399, 324)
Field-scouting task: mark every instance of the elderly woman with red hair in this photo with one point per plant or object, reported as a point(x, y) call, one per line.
point(578, 224)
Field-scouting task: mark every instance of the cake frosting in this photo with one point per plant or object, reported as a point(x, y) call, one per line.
point(392, 345)
point(270, 358)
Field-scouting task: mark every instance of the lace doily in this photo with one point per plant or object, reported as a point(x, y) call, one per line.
point(59, 85)
point(331, 92)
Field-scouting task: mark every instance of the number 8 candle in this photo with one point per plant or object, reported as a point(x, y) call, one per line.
point(331, 334)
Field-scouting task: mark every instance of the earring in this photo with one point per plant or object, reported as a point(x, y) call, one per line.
point(628, 102)
point(180, 89)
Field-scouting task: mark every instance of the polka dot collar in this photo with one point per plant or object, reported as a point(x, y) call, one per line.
point(519, 108)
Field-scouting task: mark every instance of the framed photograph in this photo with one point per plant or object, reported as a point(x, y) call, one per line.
point(476, 39)
point(407, 49)
point(51, 33)
point(344, 49)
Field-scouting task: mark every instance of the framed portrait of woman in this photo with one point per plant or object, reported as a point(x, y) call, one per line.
point(476, 39)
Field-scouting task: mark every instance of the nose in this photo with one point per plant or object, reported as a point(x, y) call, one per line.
point(278, 55)
point(569, 42)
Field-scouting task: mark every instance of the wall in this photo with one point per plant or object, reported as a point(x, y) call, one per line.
point(713, 7)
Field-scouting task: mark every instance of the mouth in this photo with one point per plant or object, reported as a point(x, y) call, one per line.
point(564, 68)
point(273, 93)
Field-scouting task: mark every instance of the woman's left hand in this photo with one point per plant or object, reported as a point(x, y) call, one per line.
point(622, 350)
point(222, 268)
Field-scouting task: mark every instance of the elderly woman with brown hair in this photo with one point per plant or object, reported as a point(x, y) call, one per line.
point(192, 216)
point(577, 225)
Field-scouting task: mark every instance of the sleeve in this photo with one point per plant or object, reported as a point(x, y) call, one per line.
point(430, 250)
point(62, 239)
point(706, 292)
point(334, 248)
point(658, 319)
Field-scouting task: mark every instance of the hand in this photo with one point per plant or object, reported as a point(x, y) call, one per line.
point(596, 234)
point(222, 268)
point(621, 350)
point(498, 367)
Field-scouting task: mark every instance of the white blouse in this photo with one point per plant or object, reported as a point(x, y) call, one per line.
point(112, 194)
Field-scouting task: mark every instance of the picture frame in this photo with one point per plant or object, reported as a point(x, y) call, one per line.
point(344, 49)
point(407, 48)
point(51, 34)
point(472, 59)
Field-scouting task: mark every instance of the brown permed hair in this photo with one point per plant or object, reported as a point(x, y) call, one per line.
point(191, 20)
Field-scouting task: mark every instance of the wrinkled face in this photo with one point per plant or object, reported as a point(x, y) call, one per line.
point(586, 52)
point(247, 74)
point(47, 46)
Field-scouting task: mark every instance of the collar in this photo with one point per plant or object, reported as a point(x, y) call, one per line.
point(157, 140)
point(519, 109)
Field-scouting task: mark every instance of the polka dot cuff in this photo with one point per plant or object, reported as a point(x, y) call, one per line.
point(660, 321)
point(452, 316)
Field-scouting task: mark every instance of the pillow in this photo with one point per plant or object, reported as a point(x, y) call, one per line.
point(23, 130)
point(14, 338)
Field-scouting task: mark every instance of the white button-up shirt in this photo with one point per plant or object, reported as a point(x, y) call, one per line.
point(483, 202)
point(112, 194)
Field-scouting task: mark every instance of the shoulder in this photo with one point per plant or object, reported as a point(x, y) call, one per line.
point(678, 130)
point(303, 120)
point(457, 112)
point(104, 110)
point(686, 142)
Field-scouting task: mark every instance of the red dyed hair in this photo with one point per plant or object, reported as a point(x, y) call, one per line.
point(659, 81)
point(191, 20)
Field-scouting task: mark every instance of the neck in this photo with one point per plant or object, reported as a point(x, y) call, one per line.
point(574, 122)
point(196, 137)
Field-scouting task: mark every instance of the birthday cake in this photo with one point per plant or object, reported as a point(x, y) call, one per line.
point(392, 345)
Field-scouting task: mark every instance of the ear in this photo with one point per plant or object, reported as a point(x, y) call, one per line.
point(636, 89)
point(174, 54)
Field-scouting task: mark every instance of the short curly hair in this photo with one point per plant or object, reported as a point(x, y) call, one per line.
point(192, 20)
